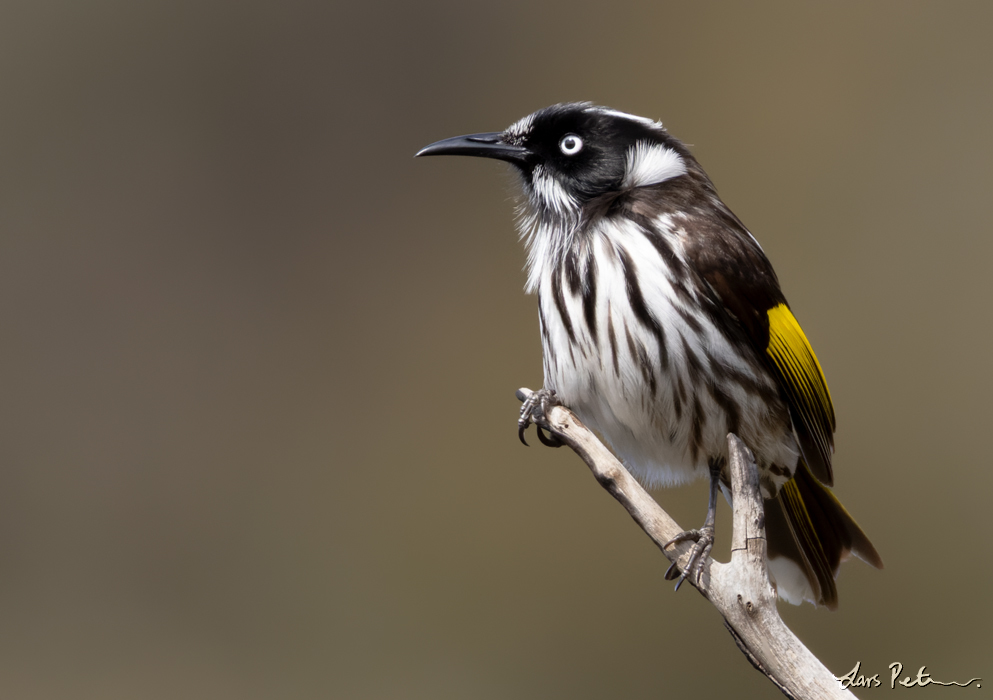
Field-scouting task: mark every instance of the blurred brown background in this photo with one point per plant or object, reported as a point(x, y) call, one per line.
point(258, 432)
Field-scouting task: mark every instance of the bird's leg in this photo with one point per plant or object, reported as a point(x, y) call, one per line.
point(534, 410)
point(704, 537)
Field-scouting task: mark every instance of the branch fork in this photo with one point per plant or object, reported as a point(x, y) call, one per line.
point(740, 590)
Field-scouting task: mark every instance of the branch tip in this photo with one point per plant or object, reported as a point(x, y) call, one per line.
point(741, 591)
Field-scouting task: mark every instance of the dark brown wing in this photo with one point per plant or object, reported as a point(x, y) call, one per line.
point(743, 281)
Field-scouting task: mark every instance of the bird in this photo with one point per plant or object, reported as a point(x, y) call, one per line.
point(664, 328)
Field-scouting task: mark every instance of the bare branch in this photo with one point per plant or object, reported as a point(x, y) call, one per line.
point(740, 590)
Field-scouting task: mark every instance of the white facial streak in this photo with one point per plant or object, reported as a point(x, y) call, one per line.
point(521, 128)
point(546, 236)
point(632, 117)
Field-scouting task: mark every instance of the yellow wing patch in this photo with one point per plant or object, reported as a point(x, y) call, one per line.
point(802, 378)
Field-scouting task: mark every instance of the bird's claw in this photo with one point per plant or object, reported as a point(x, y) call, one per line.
point(534, 410)
point(703, 543)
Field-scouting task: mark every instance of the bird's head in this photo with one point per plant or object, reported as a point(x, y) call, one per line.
point(570, 154)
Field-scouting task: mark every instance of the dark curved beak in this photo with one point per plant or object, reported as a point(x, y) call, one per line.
point(489, 145)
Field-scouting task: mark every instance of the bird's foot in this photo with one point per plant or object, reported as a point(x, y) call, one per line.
point(535, 410)
point(704, 542)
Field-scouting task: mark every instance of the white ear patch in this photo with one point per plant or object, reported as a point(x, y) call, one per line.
point(650, 163)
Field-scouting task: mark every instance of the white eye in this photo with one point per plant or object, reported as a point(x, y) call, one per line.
point(570, 144)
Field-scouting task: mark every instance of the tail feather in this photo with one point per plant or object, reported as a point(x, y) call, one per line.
point(809, 534)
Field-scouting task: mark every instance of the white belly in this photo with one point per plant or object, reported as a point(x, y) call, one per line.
point(665, 417)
